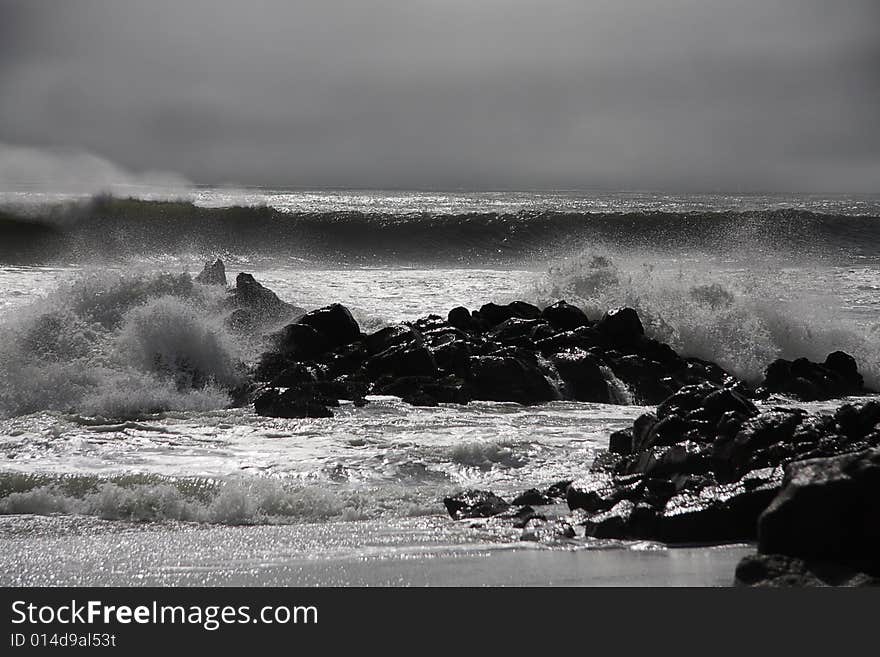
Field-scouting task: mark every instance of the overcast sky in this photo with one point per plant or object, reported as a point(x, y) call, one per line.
point(778, 95)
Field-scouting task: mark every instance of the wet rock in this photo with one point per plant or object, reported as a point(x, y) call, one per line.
point(491, 314)
point(213, 274)
point(295, 375)
point(564, 317)
point(828, 510)
point(300, 342)
point(474, 504)
point(391, 336)
point(293, 403)
point(532, 497)
point(426, 390)
point(621, 326)
point(334, 323)
point(837, 377)
point(582, 374)
point(520, 331)
point(460, 318)
point(403, 361)
point(779, 570)
point(506, 378)
point(256, 305)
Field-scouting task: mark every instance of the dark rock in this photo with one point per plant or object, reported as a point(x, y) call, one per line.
point(516, 330)
point(491, 314)
point(300, 342)
point(261, 302)
point(583, 377)
point(474, 504)
point(828, 510)
point(460, 318)
point(292, 404)
point(837, 377)
point(621, 326)
point(334, 323)
point(779, 570)
point(600, 493)
point(564, 317)
point(505, 378)
point(402, 361)
point(621, 442)
point(295, 375)
point(532, 497)
point(392, 336)
point(213, 274)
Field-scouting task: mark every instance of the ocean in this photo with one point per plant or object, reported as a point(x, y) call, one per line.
point(112, 473)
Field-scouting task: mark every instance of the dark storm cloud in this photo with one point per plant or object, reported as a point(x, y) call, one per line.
point(753, 94)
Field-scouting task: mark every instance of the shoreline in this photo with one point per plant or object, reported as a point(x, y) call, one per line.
point(100, 553)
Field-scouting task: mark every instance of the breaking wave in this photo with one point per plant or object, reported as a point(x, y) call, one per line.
point(742, 318)
point(107, 227)
point(231, 501)
point(119, 345)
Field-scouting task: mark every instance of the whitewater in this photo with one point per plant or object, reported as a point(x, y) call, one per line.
point(116, 469)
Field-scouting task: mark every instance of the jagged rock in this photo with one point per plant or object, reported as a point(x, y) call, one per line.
point(828, 510)
point(460, 318)
point(779, 570)
point(505, 378)
point(401, 361)
point(621, 326)
point(391, 336)
point(256, 304)
point(583, 377)
point(491, 314)
point(532, 497)
point(565, 317)
point(838, 376)
point(293, 403)
point(334, 323)
point(474, 504)
point(213, 274)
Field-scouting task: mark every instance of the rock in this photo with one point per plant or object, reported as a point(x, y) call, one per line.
point(600, 493)
point(426, 390)
point(460, 318)
point(828, 510)
point(717, 513)
point(532, 497)
point(295, 375)
point(213, 274)
point(391, 336)
point(257, 304)
point(300, 342)
point(491, 314)
point(292, 404)
point(564, 317)
point(583, 377)
point(837, 377)
point(621, 326)
point(474, 504)
point(403, 361)
point(334, 323)
point(505, 378)
point(519, 331)
point(779, 570)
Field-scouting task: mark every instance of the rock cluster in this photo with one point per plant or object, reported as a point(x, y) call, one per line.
point(707, 464)
point(803, 379)
point(515, 352)
point(823, 527)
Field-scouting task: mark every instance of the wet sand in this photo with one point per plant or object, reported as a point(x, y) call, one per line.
point(65, 551)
